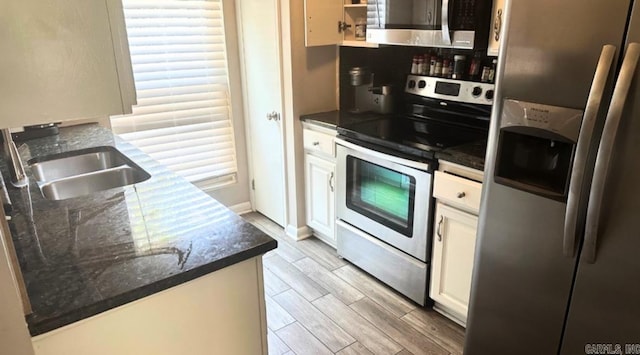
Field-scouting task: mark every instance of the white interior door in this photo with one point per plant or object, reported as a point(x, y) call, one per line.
point(260, 43)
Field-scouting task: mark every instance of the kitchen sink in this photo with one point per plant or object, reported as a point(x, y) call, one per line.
point(78, 162)
point(84, 172)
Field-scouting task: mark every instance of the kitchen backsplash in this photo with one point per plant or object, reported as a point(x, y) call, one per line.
point(391, 65)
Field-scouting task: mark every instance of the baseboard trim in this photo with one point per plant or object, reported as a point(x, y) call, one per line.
point(445, 311)
point(241, 208)
point(295, 233)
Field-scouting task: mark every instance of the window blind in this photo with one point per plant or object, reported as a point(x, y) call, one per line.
point(183, 115)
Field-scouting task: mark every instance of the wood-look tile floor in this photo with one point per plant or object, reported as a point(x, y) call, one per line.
point(318, 303)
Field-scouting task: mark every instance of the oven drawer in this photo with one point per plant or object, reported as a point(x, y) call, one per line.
point(319, 142)
point(398, 270)
point(457, 191)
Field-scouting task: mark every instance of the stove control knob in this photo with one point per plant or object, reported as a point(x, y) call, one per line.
point(422, 84)
point(412, 84)
point(489, 95)
point(477, 91)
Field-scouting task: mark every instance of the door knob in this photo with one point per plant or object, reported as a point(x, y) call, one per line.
point(273, 116)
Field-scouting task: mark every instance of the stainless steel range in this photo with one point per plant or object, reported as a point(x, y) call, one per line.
point(385, 166)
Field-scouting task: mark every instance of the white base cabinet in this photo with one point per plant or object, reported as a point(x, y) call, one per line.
point(219, 313)
point(457, 190)
point(320, 181)
point(320, 195)
point(453, 254)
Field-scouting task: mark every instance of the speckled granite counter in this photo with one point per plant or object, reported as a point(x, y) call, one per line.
point(332, 119)
point(470, 155)
point(85, 255)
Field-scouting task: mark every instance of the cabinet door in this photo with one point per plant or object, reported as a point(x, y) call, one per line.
point(453, 251)
point(58, 61)
point(320, 195)
point(322, 18)
point(495, 32)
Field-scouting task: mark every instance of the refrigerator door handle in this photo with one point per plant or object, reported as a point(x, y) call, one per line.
point(618, 101)
point(594, 101)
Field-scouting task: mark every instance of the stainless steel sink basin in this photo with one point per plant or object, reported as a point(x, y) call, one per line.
point(89, 183)
point(75, 163)
point(84, 172)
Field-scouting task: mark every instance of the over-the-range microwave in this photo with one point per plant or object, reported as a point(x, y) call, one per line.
point(460, 24)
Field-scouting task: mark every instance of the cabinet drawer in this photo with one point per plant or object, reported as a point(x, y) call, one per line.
point(319, 142)
point(457, 191)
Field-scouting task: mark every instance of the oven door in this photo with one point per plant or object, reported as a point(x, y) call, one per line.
point(385, 196)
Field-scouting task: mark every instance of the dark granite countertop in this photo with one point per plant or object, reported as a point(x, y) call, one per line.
point(470, 155)
point(332, 119)
point(85, 255)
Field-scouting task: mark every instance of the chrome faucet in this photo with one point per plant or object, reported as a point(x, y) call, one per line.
point(16, 170)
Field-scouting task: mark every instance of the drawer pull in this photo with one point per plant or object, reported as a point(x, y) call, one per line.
point(316, 143)
point(461, 195)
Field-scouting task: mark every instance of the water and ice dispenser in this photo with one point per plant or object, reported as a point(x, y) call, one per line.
point(536, 146)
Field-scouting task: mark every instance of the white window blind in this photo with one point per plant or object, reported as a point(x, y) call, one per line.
point(179, 61)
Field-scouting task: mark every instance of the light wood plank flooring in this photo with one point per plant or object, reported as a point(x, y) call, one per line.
point(318, 303)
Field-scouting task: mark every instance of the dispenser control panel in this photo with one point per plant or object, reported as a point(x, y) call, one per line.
point(558, 120)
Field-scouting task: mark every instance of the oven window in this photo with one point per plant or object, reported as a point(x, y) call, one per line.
point(384, 195)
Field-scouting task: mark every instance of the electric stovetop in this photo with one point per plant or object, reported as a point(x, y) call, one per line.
point(416, 136)
point(428, 120)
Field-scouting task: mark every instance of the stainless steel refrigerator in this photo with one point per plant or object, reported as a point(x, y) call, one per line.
point(557, 268)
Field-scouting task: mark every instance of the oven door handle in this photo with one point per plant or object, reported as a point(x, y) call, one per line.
point(387, 157)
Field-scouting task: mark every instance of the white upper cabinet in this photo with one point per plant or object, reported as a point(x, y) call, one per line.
point(322, 19)
point(63, 60)
point(330, 22)
point(497, 24)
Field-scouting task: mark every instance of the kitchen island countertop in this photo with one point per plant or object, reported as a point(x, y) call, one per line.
point(85, 255)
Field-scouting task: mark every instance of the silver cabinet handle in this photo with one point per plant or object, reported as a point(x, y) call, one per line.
point(594, 101)
point(497, 25)
point(331, 181)
point(446, 33)
point(439, 231)
point(461, 194)
point(618, 101)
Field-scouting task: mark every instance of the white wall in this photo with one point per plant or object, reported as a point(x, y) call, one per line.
point(310, 76)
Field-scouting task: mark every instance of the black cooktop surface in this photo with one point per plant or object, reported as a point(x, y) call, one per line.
point(417, 136)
